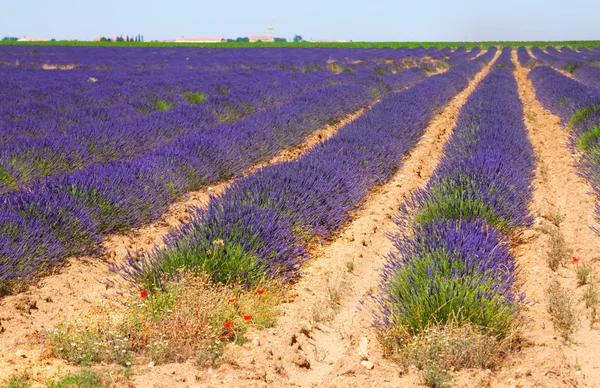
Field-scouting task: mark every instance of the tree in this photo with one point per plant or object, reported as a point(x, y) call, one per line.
point(298, 38)
point(6, 38)
point(280, 40)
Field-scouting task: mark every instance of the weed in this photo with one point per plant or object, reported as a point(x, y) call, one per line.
point(583, 113)
point(591, 295)
point(558, 251)
point(435, 377)
point(583, 273)
point(211, 355)
point(85, 378)
point(195, 97)
point(544, 172)
point(20, 380)
point(320, 313)
point(560, 306)
point(336, 289)
point(162, 105)
point(350, 266)
point(375, 93)
point(589, 138)
point(449, 347)
point(190, 317)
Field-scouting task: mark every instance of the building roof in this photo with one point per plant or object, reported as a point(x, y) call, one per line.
point(33, 40)
point(199, 39)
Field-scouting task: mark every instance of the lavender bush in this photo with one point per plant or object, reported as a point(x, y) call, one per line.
point(453, 263)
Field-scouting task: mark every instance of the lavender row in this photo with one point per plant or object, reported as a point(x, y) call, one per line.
point(505, 59)
point(87, 125)
point(70, 213)
point(259, 228)
point(579, 106)
point(524, 58)
point(182, 58)
point(453, 263)
point(588, 75)
point(62, 121)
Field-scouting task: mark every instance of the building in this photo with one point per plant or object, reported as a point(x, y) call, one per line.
point(183, 39)
point(26, 39)
point(270, 37)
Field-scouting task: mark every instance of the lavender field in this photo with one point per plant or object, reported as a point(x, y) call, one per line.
point(438, 207)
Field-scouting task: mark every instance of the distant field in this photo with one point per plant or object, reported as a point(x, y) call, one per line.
point(570, 43)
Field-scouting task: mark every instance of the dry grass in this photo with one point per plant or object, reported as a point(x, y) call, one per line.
point(191, 318)
point(46, 66)
point(439, 351)
point(561, 307)
point(558, 253)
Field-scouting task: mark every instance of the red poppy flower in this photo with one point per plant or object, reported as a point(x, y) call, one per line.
point(144, 293)
point(227, 324)
point(232, 300)
point(247, 317)
point(260, 292)
point(575, 259)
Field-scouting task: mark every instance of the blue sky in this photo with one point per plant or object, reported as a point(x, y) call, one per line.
point(374, 20)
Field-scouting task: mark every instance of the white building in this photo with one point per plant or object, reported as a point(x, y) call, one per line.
point(270, 37)
point(183, 39)
point(26, 39)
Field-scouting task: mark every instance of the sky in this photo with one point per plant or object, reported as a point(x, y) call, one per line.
point(371, 20)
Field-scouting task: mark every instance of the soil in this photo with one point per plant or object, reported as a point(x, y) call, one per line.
point(327, 316)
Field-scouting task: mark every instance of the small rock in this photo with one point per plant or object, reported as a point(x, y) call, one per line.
point(362, 350)
point(367, 364)
point(151, 364)
point(256, 341)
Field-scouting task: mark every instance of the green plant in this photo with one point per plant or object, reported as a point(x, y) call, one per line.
point(350, 266)
point(591, 295)
point(435, 377)
point(19, 380)
point(557, 219)
point(162, 105)
point(211, 355)
point(583, 113)
point(583, 272)
point(85, 378)
point(195, 97)
point(589, 138)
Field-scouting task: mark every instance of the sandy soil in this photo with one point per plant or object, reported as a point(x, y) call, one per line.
point(75, 289)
